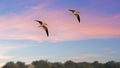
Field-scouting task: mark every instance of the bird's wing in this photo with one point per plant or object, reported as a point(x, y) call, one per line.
point(78, 17)
point(72, 10)
point(39, 22)
point(46, 29)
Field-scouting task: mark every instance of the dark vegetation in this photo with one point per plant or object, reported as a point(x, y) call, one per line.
point(67, 64)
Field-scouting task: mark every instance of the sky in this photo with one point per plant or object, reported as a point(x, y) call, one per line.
point(95, 38)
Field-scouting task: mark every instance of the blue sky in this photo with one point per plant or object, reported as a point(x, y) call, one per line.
point(97, 37)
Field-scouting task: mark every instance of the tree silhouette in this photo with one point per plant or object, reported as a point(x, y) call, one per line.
point(10, 65)
point(20, 65)
point(57, 65)
point(67, 64)
point(96, 64)
point(85, 65)
point(112, 64)
point(41, 64)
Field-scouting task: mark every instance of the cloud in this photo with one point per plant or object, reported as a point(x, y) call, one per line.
point(61, 25)
point(1, 64)
point(85, 56)
point(5, 48)
point(43, 5)
point(5, 57)
point(3, 52)
point(109, 50)
point(59, 58)
point(111, 2)
point(112, 52)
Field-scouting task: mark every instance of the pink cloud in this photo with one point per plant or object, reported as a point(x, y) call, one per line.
point(62, 26)
point(6, 48)
point(6, 57)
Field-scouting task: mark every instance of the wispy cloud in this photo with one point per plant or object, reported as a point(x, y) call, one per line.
point(112, 52)
point(43, 5)
point(62, 26)
point(5, 57)
point(60, 58)
point(5, 48)
point(84, 56)
point(109, 50)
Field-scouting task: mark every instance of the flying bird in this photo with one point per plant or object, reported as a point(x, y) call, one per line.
point(74, 12)
point(43, 25)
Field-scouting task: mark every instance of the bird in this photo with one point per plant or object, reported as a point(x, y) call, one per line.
point(43, 25)
point(74, 12)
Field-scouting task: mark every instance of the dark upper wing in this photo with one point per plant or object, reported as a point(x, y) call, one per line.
point(39, 22)
point(78, 17)
point(72, 10)
point(46, 29)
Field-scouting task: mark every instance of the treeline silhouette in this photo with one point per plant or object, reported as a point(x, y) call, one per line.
point(67, 64)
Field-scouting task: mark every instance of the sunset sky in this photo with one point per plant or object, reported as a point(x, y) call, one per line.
point(97, 37)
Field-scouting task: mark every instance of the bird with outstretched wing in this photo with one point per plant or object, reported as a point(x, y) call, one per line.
point(74, 12)
point(43, 25)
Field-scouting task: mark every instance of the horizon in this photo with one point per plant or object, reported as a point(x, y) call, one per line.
point(95, 38)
